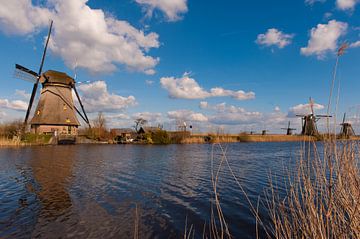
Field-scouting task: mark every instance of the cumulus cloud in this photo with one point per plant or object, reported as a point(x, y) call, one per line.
point(173, 9)
point(187, 115)
point(355, 44)
point(21, 17)
point(324, 38)
point(83, 36)
point(149, 82)
point(231, 115)
point(187, 88)
point(312, 2)
point(151, 117)
point(301, 109)
point(18, 105)
point(274, 37)
point(2, 115)
point(346, 4)
point(23, 94)
point(95, 97)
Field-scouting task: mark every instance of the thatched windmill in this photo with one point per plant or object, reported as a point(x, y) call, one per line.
point(55, 112)
point(308, 122)
point(346, 129)
point(289, 130)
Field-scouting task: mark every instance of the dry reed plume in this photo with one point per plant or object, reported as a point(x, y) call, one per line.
point(322, 196)
point(321, 199)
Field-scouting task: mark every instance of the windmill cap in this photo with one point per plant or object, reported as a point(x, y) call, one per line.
point(56, 77)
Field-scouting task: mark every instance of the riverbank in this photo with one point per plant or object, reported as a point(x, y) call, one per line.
point(189, 139)
point(208, 138)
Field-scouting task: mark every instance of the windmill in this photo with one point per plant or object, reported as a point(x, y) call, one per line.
point(308, 122)
point(289, 131)
point(55, 112)
point(346, 129)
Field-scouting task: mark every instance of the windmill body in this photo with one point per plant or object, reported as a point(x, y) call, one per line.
point(308, 122)
point(289, 130)
point(55, 111)
point(346, 129)
point(309, 125)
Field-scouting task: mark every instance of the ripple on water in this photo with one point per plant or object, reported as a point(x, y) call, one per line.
point(92, 191)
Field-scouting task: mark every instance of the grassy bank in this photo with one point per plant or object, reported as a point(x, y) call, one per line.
point(229, 138)
point(26, 140)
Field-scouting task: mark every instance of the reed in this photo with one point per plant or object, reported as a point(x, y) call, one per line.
point(321, 199)
point(322, 196)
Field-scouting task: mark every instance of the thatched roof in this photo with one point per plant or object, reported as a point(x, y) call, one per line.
point(56, 106)
point(56, 77)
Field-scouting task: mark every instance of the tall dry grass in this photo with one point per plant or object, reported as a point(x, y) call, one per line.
point(322, 195)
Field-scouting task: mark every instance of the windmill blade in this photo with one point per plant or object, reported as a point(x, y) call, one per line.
point(344, 118)
point(86, 119)
point(37, 80)
point(31, 101)
point(300, 115)
point(45, 48)
point(311, 102)
point(23, 73)
point(323, 116)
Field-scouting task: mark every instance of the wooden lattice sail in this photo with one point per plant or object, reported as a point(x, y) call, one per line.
point(55, 110)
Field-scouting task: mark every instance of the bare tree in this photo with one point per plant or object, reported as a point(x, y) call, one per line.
point(139, 122)
point(100, 126)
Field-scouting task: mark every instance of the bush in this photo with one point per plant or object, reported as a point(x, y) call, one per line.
point(11, 129)
point(160, 137)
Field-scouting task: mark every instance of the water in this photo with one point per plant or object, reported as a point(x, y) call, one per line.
point(92, 191)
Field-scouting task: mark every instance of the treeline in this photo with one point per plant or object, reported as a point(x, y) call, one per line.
point(11, 130)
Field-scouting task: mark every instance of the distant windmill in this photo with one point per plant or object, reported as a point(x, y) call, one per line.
point(289, 131)
point(308, 122)
point(182, 126)
point(55, 111)
point(346, 129)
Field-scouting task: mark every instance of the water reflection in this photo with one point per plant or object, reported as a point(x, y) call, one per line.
point(91, 191)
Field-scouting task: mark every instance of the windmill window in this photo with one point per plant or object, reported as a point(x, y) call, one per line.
point(64, 107)
point(38, 112)
point(67, 120)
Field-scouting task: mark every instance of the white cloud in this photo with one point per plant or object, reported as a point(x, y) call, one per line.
point(203, 105)
point(83, 36)
point(149, 82)
point(186, 115)
point(96, 97)
point(274, 37)
point(23, 94)
point(232, 115)
point(171, 8)
point(346, 4)
point(151, 117)
point(324, 38)
point(120, 116)
point(301, 109)
point(311, 2)
point(21, 17)
point(355, 44)
point(187, 88)
point(18, 105)
point(2, 115)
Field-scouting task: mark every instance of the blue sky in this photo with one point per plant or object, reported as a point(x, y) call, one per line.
point(230, 65)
